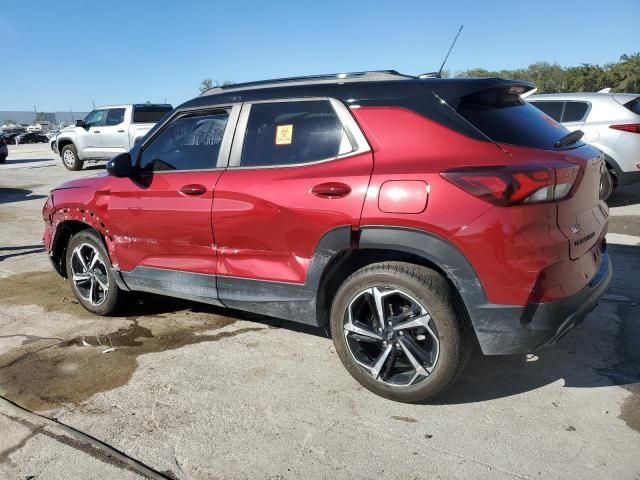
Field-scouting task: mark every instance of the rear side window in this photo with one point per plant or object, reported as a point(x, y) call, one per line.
point(115, 116)
point(574, 111)
point(634, 105)
point(553, 109)
point(288, 133)
point(188, 143)
point(505, 118)
point(150, 113)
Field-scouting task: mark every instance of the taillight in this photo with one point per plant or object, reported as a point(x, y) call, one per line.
point(627, 127)
point(516, 184)
point(2, 141)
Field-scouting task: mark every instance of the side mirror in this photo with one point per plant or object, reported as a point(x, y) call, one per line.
point(120, 166)
point(80, 123)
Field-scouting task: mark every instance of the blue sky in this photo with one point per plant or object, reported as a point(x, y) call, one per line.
point(72, 53)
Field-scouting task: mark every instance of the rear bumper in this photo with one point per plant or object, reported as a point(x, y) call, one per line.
point(510, 330)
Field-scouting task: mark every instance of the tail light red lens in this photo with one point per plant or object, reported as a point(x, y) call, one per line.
point(516, 184)
point(628, 127)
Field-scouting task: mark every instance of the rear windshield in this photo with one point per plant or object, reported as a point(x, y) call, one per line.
point(505, 118)
point(634, 105)
point(150, 114)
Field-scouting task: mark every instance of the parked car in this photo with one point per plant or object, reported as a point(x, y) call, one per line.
point(10, 138)
point(610, 122)
point(31, 137)
point(4, 151)
point(479, 220)
point(106, 132)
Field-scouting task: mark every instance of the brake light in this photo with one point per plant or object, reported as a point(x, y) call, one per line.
point(2, 141)
point(627, 127)
point(516, 184)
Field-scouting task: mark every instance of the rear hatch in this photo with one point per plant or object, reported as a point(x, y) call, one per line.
point(497, 110)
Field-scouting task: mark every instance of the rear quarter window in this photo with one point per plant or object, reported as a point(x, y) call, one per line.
point(150, 114)
point(505, 117)
point(634, 105)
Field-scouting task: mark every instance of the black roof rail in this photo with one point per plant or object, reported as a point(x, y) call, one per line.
point(370, 76)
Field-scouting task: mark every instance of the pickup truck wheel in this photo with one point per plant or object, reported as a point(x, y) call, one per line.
point(396, 329)
point(89, 274)
point(70, 158)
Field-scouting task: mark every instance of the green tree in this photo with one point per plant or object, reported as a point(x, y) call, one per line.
point(621, 76)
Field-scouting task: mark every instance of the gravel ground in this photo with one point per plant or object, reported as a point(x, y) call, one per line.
point(198, 392)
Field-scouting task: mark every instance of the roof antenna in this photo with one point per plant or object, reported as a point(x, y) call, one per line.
point(450, 48)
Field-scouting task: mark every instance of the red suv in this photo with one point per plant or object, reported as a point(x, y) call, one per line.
point(412, 216)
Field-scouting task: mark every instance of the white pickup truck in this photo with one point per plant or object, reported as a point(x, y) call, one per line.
point(106, 132)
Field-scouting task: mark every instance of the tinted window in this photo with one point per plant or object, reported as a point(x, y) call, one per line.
point(287, 133)
point(149, 114)
point(574, 111)
point(634, 105)
point(188, 143)
point(95, 118)
point(553, 109)
point(115, 116)
point(505, 118)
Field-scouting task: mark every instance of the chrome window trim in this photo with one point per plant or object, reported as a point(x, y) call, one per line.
point(225, 144)
point(351, 128)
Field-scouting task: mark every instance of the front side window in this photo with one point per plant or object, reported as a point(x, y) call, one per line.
point(188, 143)
point(289, 133)
point(115, 116)
point(95, 118)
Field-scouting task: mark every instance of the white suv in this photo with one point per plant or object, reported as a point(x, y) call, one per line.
point(610, 122)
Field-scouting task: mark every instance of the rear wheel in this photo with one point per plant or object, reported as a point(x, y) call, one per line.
point(70, 158)
point(607, 184)
point(2, 158)
point(89, 274)
point(397, 331)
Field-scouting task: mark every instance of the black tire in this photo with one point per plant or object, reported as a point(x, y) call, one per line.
point(434, 294)
point(3, 158)
point(82, 244)
point(70, 159)
point(607, 185)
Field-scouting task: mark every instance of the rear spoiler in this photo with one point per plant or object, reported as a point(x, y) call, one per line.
point(453, 89)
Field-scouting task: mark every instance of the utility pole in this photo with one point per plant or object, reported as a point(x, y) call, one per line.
point(94, 104)
point(71, 112)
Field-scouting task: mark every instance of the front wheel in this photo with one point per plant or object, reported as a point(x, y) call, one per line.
point(89, 273)
point(607, 185)
point(396, 329)
point(70, 158)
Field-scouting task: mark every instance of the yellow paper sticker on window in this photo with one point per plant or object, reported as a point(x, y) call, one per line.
point(284, 134)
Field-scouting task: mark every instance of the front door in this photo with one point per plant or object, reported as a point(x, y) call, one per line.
point(160, 219)
point(298, 169)
point(90, 142)
point(113, 134)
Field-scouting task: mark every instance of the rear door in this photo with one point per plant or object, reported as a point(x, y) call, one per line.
point(113, 134)
point(298, 169)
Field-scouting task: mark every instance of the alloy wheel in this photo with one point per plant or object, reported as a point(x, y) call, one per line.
point(69, 158)
point(392, 336)
point(89, 274)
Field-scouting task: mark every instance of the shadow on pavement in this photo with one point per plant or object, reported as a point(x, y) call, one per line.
point(627, 195)
point(29, 160)
point(10, 195)
point(18, 251)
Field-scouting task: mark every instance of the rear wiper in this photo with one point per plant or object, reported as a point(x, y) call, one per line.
point(569, 138)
